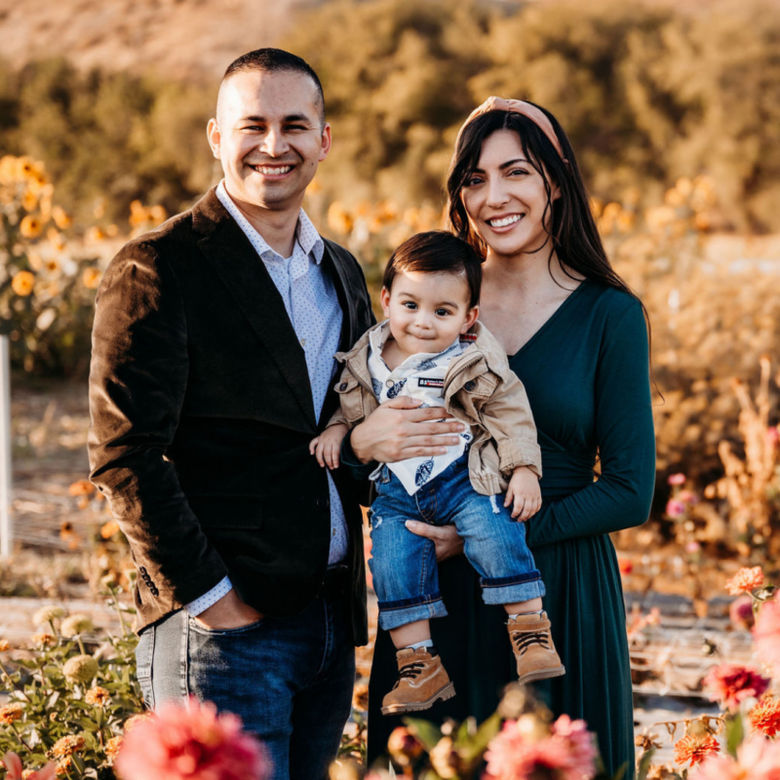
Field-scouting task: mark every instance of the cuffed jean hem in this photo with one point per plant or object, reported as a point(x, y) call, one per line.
point(510, 594)
point(395, 617)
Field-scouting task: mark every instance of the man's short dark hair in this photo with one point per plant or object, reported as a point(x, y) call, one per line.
point(273, 60)
point(437, 252)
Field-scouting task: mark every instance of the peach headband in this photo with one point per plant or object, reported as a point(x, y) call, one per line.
point(536, 115)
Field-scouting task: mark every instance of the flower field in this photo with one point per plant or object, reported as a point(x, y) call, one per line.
point(711, 545)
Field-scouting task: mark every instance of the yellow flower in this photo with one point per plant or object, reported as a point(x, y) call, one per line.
point(158, 214)
point(8, 169)
point(97, 696)
point(76, 624)
point(80, 669)
point(64, 766)
point(112, 748)
point(109, 529)
point(339, 219)
point(56, 238)
point(47, 614)
point(5, 645)
point(135, 720)
point(31, 227)
point(11, 712)
point(95, 235)
point(61, 218)
point(29, 200)
point(23, 283)
point(91, 278)
point(81, 487)
point(43, 639)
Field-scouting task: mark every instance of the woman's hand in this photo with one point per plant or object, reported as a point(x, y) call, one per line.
point(445, 537)
point(398, 430)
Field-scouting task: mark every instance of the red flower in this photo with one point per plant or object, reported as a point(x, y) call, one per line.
point(741, 612)
point(730, 684)
point(745, 580)
point(695, 748)
point(190, 742)
point(765, 716)
point(625, 566)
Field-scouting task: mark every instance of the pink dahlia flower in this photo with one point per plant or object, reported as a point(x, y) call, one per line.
point(766, 633)
point(676, 479)
point(741, 612)
point(568, 752)
point(729, 684)
point(675, 508)
point(191, 743)
point(757, 759)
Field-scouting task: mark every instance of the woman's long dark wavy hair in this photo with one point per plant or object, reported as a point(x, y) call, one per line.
point(573, 232)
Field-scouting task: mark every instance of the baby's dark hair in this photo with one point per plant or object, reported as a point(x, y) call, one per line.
point(437, 252)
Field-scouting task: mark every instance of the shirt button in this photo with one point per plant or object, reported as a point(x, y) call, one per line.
point(303, 342)
point(389, 383)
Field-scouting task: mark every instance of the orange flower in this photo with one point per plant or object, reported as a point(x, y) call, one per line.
point(97, 696)
point(765, 716)
point(81, 487)
point(65, 747)
point(112, 748)
point(109, 529)
point(23, 283)
point(95, 235)
point(136, 720)
point(91, 278)
point(745, 580)
point(695, 748)
point(61, 218)
point(43, 639)
point(11, 712)
point(31, 226)
point(29, 201)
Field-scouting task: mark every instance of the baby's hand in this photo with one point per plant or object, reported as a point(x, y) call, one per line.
point(524, 492)
point(327, 446)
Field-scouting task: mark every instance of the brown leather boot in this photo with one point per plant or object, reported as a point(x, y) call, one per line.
point(535, 653)
point(422, 681)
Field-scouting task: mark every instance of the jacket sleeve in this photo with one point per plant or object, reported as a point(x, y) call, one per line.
point(622, 495)
point(138, 377)
point(507, 417)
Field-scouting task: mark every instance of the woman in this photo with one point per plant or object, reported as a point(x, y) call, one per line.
point(577, 338)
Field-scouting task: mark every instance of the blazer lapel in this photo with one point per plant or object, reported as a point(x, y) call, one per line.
point(244, 274)
point(346, 298)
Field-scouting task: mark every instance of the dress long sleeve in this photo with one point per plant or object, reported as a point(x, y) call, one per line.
point(621, 496)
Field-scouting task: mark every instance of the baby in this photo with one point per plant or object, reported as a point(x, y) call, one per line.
point(431, 348)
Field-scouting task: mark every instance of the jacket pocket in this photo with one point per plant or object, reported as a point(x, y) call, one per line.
point(350, 394)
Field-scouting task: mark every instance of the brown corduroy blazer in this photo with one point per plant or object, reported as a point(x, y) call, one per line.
point(201, 418)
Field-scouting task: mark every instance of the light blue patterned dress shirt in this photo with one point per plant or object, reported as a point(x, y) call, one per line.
point(312, 305)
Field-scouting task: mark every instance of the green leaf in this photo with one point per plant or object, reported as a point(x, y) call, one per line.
point(735, 733)
point(645, 763)
point(425, 731)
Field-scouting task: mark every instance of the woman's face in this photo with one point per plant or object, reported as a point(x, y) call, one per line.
point(505, 197)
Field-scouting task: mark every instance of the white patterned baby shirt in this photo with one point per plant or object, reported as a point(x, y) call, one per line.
point(420, 377)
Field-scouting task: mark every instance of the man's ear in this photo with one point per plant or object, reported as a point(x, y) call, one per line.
point(471, 318)
point(327, 140)
point(214, 136)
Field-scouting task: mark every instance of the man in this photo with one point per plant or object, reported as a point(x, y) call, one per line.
point(212, 370)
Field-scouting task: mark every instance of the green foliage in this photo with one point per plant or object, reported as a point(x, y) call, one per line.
point(108, 137)
point(50, 715)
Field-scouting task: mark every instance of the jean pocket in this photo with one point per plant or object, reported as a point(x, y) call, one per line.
point(144, 654)
point(198, 627)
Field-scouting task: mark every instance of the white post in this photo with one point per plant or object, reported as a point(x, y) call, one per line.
point(6, 531)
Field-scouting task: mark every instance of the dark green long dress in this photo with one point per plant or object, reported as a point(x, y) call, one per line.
point(586, 374)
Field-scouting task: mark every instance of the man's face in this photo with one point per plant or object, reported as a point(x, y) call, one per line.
point(268, 137)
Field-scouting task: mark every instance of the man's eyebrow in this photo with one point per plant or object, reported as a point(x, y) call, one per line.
point(507, 164)
point(288, 118)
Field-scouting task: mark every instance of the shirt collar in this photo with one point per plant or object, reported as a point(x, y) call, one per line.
point(378, 336)
point(308, 238)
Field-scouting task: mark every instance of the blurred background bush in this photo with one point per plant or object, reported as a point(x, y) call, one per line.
point(673, 107)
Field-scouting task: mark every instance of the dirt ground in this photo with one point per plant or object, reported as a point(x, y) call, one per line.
point(55, 545)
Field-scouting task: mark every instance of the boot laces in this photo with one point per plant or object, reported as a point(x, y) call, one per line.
point(410, 670)
point(524, 639)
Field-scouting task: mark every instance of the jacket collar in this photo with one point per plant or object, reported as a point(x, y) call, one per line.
point(235, 260)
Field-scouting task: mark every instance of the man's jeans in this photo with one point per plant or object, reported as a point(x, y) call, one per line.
point(289, 679)
point(406, 579)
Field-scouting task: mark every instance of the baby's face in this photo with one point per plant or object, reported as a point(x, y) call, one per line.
point(427, 311)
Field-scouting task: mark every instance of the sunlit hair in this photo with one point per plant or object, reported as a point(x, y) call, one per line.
point(275, 60)
point(437, 252)
point(572, 230)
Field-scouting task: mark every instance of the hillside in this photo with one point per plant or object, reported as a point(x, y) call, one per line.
point(191, 39)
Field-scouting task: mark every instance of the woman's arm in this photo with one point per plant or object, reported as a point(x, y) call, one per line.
point(624, 429)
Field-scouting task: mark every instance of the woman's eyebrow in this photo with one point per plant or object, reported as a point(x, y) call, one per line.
point(507, 164)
